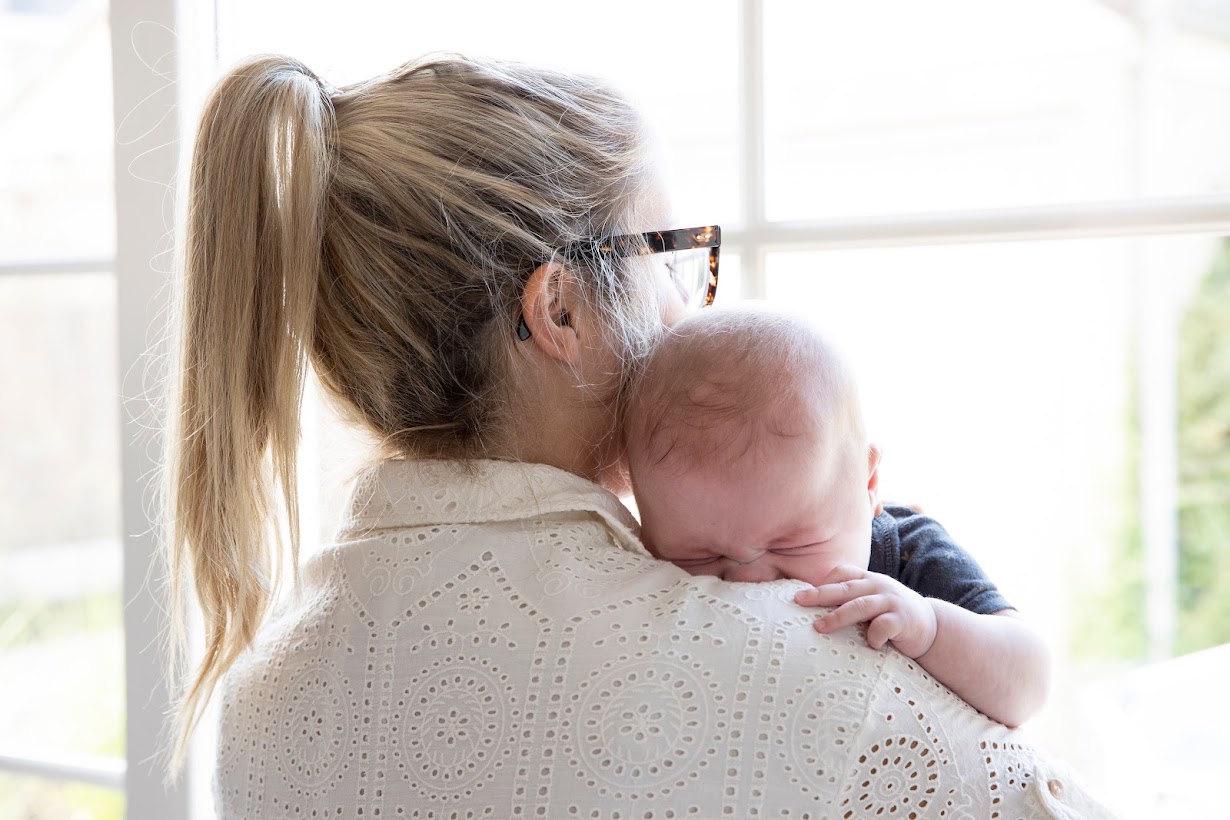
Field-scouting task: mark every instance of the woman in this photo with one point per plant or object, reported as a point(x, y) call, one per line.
point(458, 250)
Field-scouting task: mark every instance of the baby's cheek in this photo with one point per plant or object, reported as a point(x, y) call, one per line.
point(649, 533)
point(812, 572)
point(712, 568)
point(814, 569)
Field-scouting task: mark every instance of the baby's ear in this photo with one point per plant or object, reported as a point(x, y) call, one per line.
point(873, 479)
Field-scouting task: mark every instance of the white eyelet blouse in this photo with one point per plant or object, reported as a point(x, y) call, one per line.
point(493, 641)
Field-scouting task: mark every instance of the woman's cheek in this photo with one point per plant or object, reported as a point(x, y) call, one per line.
point(673, 306)
point(673, 309)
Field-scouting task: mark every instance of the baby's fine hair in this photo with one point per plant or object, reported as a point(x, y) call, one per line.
point(725, 382)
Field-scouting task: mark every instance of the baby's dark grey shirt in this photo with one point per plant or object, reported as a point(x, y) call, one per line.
point(918, 552)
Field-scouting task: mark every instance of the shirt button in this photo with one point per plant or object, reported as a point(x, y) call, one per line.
point(1056, 788)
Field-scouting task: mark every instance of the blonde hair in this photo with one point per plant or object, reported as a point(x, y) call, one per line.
point(725, 381)
point(381, 234)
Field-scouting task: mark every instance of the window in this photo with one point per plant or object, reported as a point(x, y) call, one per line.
point(61, 637)
point(1012, 218)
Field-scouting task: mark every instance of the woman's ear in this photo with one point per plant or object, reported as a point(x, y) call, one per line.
point(873, 479)
point(547, 306)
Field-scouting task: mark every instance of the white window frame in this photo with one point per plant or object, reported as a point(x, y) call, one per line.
point(162, 52)
point(140, 233)
point(143, 215)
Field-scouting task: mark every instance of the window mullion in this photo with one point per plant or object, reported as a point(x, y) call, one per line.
point(1158, 312)
point(147, 45)
point(96, 771)
point(1130, 217)
point(57, 265)
point(751, 145)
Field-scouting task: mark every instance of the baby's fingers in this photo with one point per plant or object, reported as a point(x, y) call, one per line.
point(854, 612)
point(884, 629)
point(838, 593)
point(843, 572)
point(839, 588)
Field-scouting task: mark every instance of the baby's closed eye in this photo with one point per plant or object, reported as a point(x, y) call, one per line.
point(802, 549)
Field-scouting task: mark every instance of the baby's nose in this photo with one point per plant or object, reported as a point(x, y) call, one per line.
point(754, 571)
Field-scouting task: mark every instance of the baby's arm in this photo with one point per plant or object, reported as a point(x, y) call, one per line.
point(996, 663)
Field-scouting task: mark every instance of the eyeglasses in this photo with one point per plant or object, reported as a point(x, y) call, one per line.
point(693, 261)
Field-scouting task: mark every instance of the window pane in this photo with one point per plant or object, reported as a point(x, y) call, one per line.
point(60, 610)
point(1004, 383)
point(31, 797)
point(676, 61)
point(56, 181)
point(896, 106)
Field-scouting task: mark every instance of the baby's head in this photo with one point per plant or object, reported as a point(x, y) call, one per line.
point(747, 450)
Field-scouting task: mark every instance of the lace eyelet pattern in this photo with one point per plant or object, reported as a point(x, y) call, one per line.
point(491, 640)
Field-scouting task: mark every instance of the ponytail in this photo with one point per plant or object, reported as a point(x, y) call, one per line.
point(252, 249)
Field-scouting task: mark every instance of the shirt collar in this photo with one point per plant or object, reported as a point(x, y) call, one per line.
point(413, 493)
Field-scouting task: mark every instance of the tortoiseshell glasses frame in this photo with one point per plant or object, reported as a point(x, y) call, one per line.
point(699, 292)
point(651, 242)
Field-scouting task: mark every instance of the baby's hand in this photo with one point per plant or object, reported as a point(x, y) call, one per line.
point(892, 611)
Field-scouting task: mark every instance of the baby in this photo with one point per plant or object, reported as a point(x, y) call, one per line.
point(749, 461)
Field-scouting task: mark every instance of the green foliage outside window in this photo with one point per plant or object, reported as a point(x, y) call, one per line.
point(1113, 619)
point(1204, 463)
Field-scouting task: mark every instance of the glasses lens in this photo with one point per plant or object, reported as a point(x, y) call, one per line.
point(690, 272)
